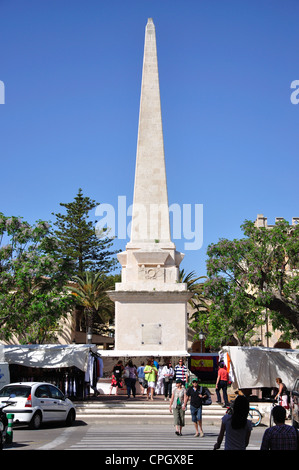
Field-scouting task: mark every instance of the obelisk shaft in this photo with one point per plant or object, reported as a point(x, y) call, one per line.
point(150, 302)
point(150, 216)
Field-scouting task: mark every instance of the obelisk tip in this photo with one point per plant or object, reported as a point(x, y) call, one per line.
point(150, 23)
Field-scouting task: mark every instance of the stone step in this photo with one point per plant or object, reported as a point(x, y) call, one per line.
point(135, 406)
point(155, 411)
point(128, 411)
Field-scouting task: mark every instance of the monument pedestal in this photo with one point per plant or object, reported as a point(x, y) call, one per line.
point(151, 320)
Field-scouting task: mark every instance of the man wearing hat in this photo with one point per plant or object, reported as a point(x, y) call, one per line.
point(196, 395)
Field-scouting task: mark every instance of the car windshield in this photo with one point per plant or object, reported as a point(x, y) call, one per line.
point(17, 390)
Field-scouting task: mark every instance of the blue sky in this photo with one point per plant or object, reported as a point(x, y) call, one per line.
point(72, 76)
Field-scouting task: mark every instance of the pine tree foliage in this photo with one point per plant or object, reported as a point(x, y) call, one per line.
point(78, 240)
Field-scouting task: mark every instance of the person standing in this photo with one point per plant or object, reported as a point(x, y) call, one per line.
point(176, 406)
point(117, 377)
point(282, 394)
point(221, 384)
point(156, 364)
point(168, 374)
point(130, 379)
point(150, 372)
point(196, 395)
point(159, 390)
point(281, 436)
point(141, 377)
point(235, 426)
point(181, 372)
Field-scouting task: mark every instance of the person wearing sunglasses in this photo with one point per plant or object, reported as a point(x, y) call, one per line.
point(181, 372)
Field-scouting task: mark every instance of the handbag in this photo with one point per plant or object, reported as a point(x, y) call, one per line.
point(145, 383)
point(126, 373)
point(208, 400)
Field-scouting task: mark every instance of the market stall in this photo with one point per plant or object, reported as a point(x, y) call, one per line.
point(258, 367)
point(72, 368)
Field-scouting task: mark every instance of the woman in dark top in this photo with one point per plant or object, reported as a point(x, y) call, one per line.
point(235, 426)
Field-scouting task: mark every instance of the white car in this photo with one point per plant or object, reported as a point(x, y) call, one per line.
point(36, 403)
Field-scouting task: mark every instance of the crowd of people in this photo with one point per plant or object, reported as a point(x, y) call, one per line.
point(153, 378)
point(235, 427)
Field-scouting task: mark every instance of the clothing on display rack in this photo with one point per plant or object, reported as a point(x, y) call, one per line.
point(94, 371)
point(70, 386)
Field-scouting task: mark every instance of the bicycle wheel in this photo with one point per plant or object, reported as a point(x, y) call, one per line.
point(255, 416)
point(271, 419)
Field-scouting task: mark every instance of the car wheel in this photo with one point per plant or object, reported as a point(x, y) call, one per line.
point(70, 419)
point(36, 421)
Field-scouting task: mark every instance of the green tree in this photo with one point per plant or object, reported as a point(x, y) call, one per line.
point(78, 240)
point(90, 292)
point(33, 295)
point(231, 315)
point(250, 275)
point(198, 302)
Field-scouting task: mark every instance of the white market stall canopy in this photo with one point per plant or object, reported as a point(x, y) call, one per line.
point(129, 353)
point(49, 356)
point(256, 367)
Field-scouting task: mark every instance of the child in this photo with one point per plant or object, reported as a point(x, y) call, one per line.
point(116, 377)
point(115, 383)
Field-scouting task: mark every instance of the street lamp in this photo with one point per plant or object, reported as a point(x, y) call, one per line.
point(89, 336)
point(201, 337)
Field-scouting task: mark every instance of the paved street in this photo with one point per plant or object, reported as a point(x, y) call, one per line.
point(91, 435)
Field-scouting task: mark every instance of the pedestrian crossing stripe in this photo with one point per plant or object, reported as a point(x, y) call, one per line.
point(96, 439)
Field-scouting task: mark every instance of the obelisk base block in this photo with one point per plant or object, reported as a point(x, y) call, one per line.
point(150, 320)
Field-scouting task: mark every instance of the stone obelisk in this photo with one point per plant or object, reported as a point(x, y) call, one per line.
point(150, 190)
point(150, 302)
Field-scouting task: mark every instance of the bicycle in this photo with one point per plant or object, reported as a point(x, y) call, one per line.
point(254, 415)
